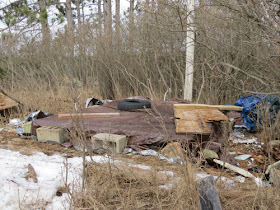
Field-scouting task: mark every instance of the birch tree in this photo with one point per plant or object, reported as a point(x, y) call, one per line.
point(188, 88)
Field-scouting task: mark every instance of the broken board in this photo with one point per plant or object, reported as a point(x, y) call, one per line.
point(6, 102)
point(206, 106)
point(196, 121)
point(87, 115)
point(193, 126)
point(208, 115)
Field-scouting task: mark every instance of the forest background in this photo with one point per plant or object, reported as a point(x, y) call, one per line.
point(65, 50)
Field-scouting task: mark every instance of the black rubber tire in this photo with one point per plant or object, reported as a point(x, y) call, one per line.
point(132, 104)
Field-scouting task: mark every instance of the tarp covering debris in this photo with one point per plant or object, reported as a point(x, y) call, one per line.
point(143, 128)
point(254, 108)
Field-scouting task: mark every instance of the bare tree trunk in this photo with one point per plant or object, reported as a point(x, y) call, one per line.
point(188, 89)
point(108, 22)
point(69, 16)
point(70, 25)
point(83, 12)
point(99, 19)
point(131, 24)
point(118, 25)
point(78, 2)
point(44, 21)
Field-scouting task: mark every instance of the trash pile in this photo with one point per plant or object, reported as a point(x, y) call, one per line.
point(222, 137)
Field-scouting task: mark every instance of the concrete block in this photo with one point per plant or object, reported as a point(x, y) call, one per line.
point(27, 127)
point(110, 142)
point(52, 133)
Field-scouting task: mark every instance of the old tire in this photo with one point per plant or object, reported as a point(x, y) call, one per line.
point(132, 104)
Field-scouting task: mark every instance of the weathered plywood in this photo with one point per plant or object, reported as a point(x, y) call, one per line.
point(207, 115)
point(212, 115)
point(87, 115)
point(206, 106)
point(191, 127)
point(196, 121)
point(6, 102)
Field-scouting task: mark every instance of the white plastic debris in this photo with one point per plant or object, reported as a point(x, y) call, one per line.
point(242, 157)
point(238, 134)
point(16, 122)
point(151, 152)
point(245, 141)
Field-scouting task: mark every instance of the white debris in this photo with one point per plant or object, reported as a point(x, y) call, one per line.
point(16, 122)
point(229, 182)
point(242, 157)
point(245, 141)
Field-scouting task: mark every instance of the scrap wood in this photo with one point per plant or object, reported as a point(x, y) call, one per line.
point(206, 106)
point(32, 173)
point(208, 115)
point(87, 115)
point(196, 121)
point(234, 168)
point(191, 127)
point(274, 165)
point(6, 102)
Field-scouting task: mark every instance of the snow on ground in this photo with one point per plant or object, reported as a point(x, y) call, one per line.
point(19, 192)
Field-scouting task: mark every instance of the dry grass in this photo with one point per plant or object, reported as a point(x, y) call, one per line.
point(110, 188)
point(248, 196)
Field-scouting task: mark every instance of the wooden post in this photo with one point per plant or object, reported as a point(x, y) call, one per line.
point(188, 88)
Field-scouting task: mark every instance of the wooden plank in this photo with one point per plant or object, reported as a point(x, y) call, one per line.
point(206, 106)
point(87, 115)
point(210, 115)
point(185, 114)
point(207, 115)
point(191, 127)
point(6, 102)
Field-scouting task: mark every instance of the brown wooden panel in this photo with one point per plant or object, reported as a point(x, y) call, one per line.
point(185, 114)
point(6, 102)
point(207, 115)
point(206, 106)
point(191, 127)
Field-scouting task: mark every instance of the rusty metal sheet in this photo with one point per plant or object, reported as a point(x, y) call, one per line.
point(143, 128)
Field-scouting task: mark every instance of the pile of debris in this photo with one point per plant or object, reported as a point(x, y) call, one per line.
point(171, 130)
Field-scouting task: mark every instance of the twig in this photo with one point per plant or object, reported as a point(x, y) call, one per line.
point(244, 72)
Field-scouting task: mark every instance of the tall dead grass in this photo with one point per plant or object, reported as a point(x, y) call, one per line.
point(111, 188)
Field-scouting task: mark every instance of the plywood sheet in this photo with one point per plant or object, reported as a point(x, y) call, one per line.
point(6, 102)
point(195, 121)
point(206, 106)
point(191, 127)
point(208, 115)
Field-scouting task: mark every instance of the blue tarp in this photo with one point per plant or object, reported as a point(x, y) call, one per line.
point(251, 114)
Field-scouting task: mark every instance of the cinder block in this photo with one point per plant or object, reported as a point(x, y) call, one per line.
point(27, 127)
point(52, 133)
point(111, 142)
